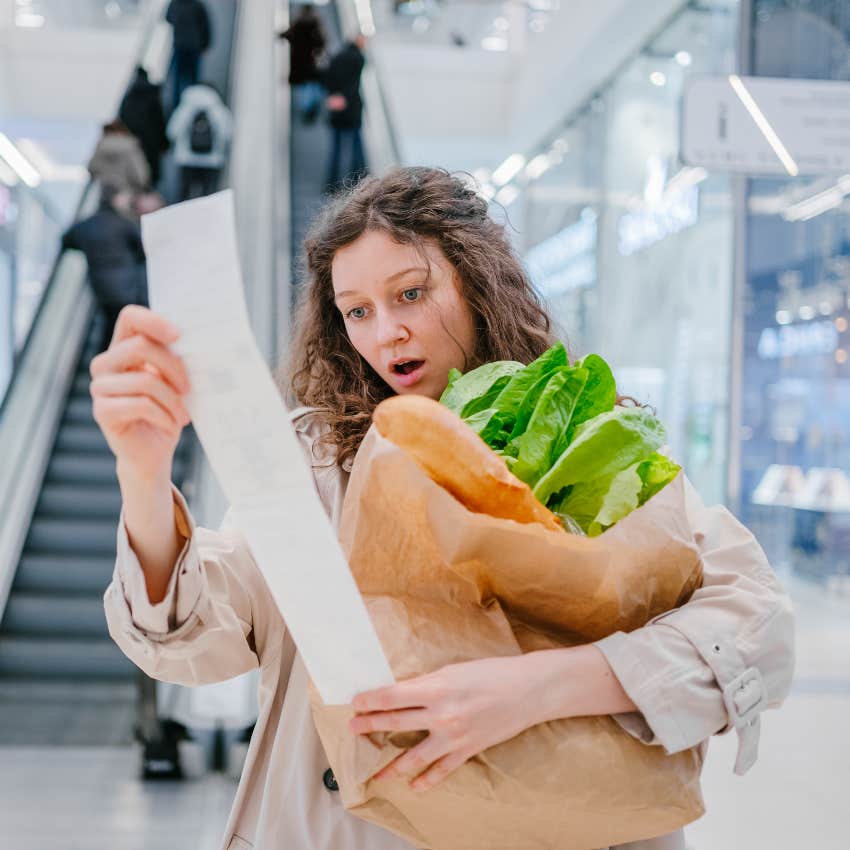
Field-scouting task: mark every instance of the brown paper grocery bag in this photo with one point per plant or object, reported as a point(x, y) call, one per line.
point(445, 585)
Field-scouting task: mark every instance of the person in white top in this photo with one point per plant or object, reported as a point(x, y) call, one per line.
point(408, 277)
point(200, 130)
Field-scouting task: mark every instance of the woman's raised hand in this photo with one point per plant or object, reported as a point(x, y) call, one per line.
point(138, 388)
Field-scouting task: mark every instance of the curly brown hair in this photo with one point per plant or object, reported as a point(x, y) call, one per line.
point(413, 206)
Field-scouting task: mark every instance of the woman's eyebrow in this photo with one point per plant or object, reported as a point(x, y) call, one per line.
point(390, 279)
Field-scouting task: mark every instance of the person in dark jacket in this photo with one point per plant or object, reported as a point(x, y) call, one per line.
point(192, 36)
point(141, 112)
point(306, 43)
point(345, 106)
point(112, 243)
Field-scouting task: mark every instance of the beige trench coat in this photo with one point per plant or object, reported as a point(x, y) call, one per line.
point(710, 666)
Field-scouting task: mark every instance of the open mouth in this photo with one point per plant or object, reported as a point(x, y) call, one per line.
point(406, 367)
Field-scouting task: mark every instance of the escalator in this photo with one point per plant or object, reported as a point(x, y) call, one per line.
point(62, 679)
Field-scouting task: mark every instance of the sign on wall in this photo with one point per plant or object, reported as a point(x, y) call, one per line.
point(763, 125)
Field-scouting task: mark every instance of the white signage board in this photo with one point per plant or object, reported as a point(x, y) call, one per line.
point(810, 119)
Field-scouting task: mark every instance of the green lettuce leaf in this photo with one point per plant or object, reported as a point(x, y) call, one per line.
point(534, 448)
point(471, 390)
point(603, 446)
point(656, 472)
point(598, 504)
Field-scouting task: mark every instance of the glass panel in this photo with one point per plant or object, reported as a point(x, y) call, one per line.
point(633, 251)
point(795, 438)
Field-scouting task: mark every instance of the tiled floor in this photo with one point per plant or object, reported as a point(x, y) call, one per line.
point(90, 799)
point(793, 799)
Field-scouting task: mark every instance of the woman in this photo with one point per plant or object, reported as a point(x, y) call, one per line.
point(408, 277)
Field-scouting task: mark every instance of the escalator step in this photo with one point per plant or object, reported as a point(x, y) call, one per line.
point(49, 535)
point(63, 501)
point(64, 574)
point(72, 468)
point(40, 616)
point(63, 659)
point(86, 438)
point(80, 387)
point(79, 410)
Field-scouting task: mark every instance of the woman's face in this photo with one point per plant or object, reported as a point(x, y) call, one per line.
point(409, 326)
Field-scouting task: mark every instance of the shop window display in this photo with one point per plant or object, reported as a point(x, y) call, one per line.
point(795, 429)
point(656, 297)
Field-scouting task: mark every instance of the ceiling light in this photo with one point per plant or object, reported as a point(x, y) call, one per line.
point(684, 58)
point(806, 312)
point(28, 20)
point(494, 42)
point(501, 25)
point(508, 169)
point(763, 124)
point(783, 317)
point(818, 203)
point(841, 324)
point(507, 195)
point(658, 78)
point(18, 162)
point(539, 166)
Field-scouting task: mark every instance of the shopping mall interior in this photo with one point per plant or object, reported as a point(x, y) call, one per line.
point(655, 167)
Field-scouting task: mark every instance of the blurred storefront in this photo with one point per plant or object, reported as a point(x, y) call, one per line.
point(634, 251)
point(795, 418)
point(674, 273)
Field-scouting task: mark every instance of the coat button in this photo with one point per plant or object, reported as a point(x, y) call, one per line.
point(330, 780)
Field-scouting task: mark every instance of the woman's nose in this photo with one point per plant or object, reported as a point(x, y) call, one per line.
point(391, 331)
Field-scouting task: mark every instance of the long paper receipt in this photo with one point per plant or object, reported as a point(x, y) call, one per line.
point(195, 281)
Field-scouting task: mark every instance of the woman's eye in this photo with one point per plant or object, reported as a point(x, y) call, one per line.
point(356, 313)
point(412, 294)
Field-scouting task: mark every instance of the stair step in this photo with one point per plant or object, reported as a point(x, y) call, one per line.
point(69, 575)
point(70, 467)
point(81, 437)
point(66, 501)
point(75, 536)
point(79, 410)
point(63, 659)
point(80, 387)
point(48, 616)
point(87, 469)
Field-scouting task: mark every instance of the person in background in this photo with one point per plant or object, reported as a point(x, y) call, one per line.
point(200, 129)
point(306, 43)
point(141, 111)
point(345, 106)
point(112, 243)
point(118, 161)
point(192, 36)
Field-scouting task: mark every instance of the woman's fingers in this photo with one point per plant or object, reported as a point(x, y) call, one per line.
point(143, 383)
point(137, 352)
point(134, 319)
point(113, 413)
point(414, 693)
point(411, 720)
point(416, 760)
point(439, 771)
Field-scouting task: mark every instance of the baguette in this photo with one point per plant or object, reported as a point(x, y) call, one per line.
point(457, 459)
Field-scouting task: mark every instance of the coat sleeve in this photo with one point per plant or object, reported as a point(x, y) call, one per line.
point(719, 660)
point(217, 618)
